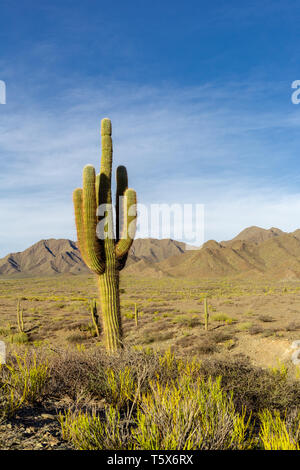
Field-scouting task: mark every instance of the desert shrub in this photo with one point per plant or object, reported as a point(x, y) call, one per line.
point(221, 317)
point(28, 376)
point(265, 318)
point(76, 338)
point(180, 415)
point(255, 330)
point(185, 341)
point(229, 344)
point(165, 336)
point(22, 380)
point(204, 346)
point(93, 432)
point(293, 326)
point(219, 336)
point(278, 433)
point(252, 387)
point(269, 332)
point(148, 338)
point(121, 386)
point(280, 370)
point(245, 326)
point(129, 315)
point(5, 331)
point(142, 393)
point(71, 372)
point(192, 322)
point(18, 338)
point(189, 415)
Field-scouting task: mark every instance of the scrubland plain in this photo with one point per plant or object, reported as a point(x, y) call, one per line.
point(60, 388)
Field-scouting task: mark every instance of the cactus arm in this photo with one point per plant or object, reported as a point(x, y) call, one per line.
point(77, 201)
point(106, 162)
point(129, 224)
point(92, 246)
point(105, 181)
point(122, 185)
point(97, 188)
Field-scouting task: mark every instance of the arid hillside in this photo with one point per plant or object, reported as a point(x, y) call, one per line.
point(255, 252)
point(272, 254)
point(63, 257)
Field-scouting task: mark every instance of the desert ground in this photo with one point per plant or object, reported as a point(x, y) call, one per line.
point(256, 319)
point(58, 365)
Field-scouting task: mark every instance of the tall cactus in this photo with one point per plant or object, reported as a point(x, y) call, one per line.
point(102, 251)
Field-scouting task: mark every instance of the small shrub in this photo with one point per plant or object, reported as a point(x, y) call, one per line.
point(23, 380)
point(5, 332)
point(221, 317)
point(121, 386)
point(76, 338)
point(19, 338)
point(229, 344)
point(265, 318)
point(245, 326)
point(293, 326)
point(255, 330)
point(277, 433)
point(189, 415)
point(90, 432)
point(206, 346)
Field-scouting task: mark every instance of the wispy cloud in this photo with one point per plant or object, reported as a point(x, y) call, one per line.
point(210, 144)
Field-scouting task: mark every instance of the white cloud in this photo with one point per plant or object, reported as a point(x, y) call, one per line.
point(200, 144)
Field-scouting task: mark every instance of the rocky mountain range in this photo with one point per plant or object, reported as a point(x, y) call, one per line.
point(255, 252)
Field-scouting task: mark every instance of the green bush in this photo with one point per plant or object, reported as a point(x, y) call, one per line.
point(181, 415)
point(23, 380)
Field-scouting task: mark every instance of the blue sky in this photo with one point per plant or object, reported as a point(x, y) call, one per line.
point(199, 94)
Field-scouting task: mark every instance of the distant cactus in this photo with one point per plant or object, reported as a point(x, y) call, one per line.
point(95, 316)
point(20, 318)
point(136, 315)
point(206, 314)
point(102, 251)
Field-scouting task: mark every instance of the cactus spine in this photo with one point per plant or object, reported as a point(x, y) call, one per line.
point(102, 251)
point(206, 314)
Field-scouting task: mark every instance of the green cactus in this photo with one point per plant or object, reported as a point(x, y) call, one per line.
point(20, 318)
point(95, 317)
point(136, 315)
point(206, 314)
point(102, 251)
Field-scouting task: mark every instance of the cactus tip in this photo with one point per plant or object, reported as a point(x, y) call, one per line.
point(106, 126)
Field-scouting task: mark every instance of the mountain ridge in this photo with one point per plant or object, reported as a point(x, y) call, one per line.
point(62, 256)
point(254, 252)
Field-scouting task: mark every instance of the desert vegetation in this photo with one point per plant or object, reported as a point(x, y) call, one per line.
point(232, 376)
point(140, 399)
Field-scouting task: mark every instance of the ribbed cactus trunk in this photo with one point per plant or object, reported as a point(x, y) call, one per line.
point(110, 306)
point(103, 252)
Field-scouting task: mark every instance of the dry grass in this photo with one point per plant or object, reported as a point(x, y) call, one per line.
point(145, 400)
